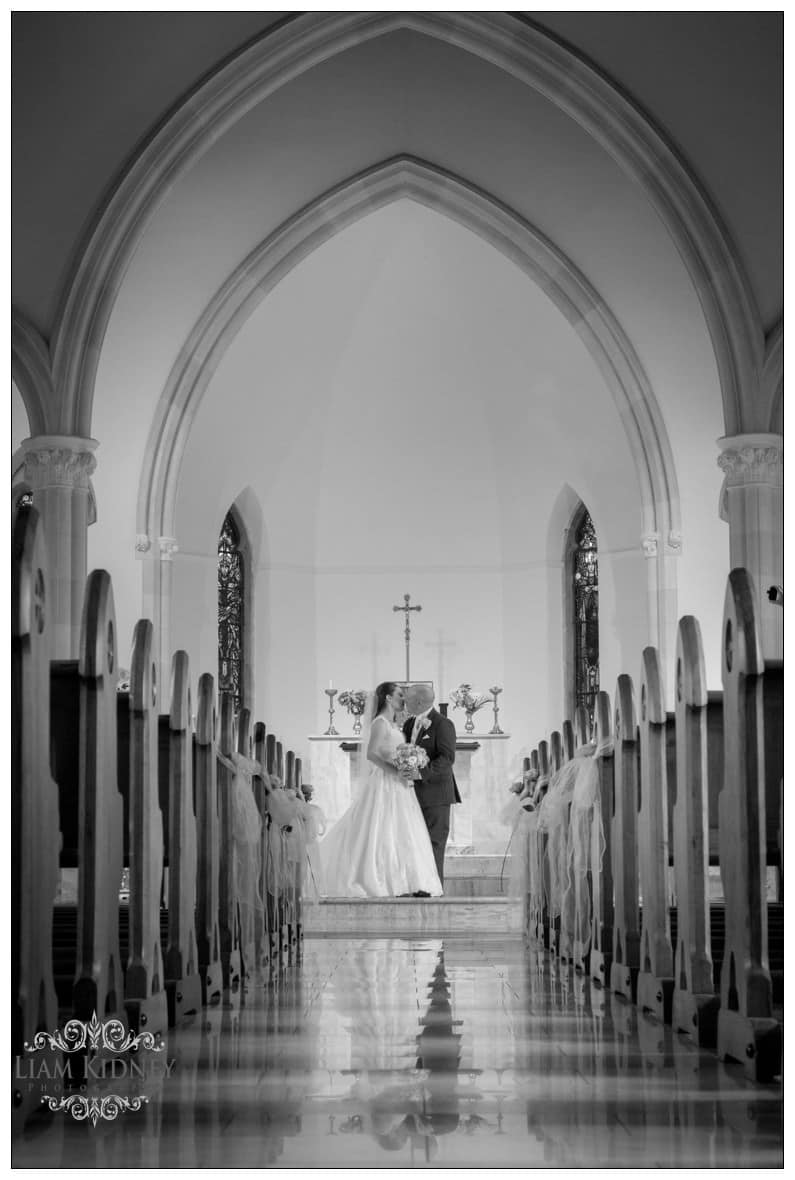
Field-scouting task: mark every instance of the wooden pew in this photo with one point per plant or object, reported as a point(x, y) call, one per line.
point(655, 978)
point(747, 1031)
point(277, 860)
point(695, 1004)
point(99, 983)
point(35, 837)
point(576, 738)
point(228, 921)
point(208, 936)
point(265, 938)
point(297, 853)
point(145, 993)
point(567, 740)
point(626, 932)
point(551, 903)
point(246, 877)
point(524, 833)
point(601, 960)
point(537, 853)
point(181, 962)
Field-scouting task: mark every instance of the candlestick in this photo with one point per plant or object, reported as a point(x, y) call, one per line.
point(495, 691)
point(331, 731)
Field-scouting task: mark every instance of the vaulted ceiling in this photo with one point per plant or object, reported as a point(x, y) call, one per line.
point(89, 88)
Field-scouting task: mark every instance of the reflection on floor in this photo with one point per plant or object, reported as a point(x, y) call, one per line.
point(409, 1052)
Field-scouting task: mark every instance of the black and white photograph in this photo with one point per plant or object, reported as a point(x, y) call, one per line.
point(397, 589)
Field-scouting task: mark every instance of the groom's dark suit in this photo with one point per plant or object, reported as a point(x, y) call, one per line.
point(436, 789)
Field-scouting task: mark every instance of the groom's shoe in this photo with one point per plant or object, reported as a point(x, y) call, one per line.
point(420, 893)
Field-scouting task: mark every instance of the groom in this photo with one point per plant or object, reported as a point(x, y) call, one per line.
point(436, 787)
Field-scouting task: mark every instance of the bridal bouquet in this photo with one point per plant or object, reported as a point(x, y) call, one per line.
point(410, 760)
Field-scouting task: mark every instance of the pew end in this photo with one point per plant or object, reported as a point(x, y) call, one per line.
point(181, 961)
point(208, 937)
point(99, 982)
point(656, 974)
point(601, 954)
point(626, 926)
point(145, 994)
point(229, 923)
point(582, 726)
point(695, 1003)
point(747, 1030)
point(35, 837)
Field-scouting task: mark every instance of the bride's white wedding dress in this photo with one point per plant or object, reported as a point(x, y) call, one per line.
point(380, 847)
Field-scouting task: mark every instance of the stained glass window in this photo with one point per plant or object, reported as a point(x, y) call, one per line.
point(230, 612)
point(586, 614)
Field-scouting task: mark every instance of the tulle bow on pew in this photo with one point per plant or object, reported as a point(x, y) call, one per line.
point(553, 818)
point(586, 847)
point(247, 833)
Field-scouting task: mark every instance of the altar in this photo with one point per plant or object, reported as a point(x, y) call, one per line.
point(482, 771)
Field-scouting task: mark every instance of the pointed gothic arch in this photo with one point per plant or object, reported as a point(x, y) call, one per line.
point(524, 245)
point(232, 580)
point(238, 555)
point(581, 612)
point(510, 43)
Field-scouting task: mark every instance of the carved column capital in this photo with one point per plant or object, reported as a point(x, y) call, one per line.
point(752, 458)
point(650, 543)
point(142, 543)
point(59, 460)
point(168, 547)
point(749, 460)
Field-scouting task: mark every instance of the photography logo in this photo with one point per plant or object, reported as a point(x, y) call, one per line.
point(95, 1055)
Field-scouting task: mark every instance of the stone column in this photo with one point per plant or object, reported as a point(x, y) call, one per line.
point(58, 469)
point(662, 580)
point(157, 585)
point(751, 502)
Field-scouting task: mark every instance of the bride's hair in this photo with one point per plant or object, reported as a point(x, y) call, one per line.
point(381, 693)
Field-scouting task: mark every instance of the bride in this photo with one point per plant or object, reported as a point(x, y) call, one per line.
point(380, 847)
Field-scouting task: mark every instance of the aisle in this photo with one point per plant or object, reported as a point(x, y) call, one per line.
point(401, 1052)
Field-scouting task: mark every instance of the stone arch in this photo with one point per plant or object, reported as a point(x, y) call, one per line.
point(515, 238)
point(773, 382)
point(30, 371)
point(513, 44)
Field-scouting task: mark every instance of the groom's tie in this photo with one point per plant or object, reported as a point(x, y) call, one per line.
point(416, 731)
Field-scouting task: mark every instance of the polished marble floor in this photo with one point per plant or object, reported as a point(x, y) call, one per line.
point(424, 1052)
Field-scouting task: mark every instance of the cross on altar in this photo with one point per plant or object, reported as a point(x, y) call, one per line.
point(406, 608)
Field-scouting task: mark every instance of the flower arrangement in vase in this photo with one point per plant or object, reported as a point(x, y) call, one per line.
point(354, 701)
point(469, 699)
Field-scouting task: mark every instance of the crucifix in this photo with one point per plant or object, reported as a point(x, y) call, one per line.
point(407, 609)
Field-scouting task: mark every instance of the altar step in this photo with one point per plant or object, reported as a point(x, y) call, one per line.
point(474, 875)
point(408, 915)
